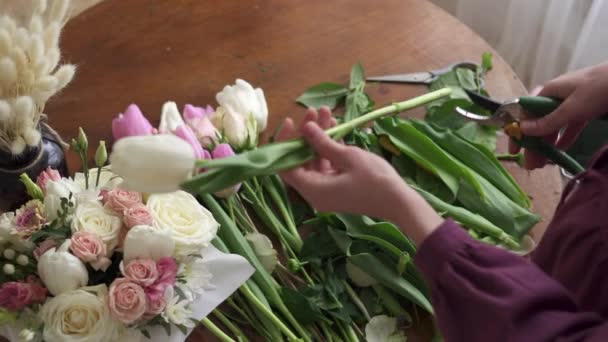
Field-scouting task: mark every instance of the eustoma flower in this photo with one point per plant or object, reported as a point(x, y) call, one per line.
point(46, 175)
point(157, 163)
point(244, 100)
point(131, 123)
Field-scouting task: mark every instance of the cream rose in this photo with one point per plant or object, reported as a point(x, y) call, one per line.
point(78, 316)
point(192, 226)
point(92, 217)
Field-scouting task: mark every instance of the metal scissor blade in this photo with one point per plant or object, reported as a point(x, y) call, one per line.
point(492, 120)
point(483, 101)
point(424, 77)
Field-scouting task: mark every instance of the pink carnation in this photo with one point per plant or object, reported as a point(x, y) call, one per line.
point(119, 200)
point(15, 295)
point(88, 247)
point(43, 247)
point(167, 272)
point(49, 174)
point(126, 300)
point(141, 271)
point(137, 215)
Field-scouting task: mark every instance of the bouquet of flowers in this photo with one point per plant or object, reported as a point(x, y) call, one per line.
point(86, 260)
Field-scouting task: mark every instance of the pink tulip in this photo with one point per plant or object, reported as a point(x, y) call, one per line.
point(198, 119)
point(47, 175)
point(192, 112)
point(224, 151)
point(186, 134)
point(131, 123)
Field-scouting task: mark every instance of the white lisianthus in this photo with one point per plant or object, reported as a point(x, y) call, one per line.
point(54, 192)
point(107, 179)
point(8, 233)
point(383, 329)
point(177, 311)
point(61, 271)
point(170, 118)
point(94, 218)
point(153, 163)
point(239, 131)
point(245, 100)
point(78, 316)
point(194, 277)
point(191, 225)
point(145, 242)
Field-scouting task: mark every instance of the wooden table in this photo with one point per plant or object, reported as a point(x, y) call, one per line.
point(150, 51)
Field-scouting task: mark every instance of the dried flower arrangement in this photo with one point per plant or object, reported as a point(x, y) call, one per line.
point(30, 73)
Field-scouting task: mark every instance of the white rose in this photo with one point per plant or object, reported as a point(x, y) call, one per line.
point(170, 118)
point(61, 271)
point(145, 242)
point(92, 217)
point(245, 100)
point(153, 163)
point(78, 316)
point(192, 226)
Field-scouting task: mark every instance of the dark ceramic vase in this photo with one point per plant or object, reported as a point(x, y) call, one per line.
point(33, 161)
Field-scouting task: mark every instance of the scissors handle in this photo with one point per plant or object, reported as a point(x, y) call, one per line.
point(539, 106)
point(552, 153)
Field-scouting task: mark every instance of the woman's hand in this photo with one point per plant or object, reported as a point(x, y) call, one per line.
point(585, 95)
point(350, 180)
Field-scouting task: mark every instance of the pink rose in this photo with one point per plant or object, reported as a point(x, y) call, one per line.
point(167, 272)
point(126, 300)
point(141, 271)
point(131, 123)
point(47, 175)
point(15, 295)
point(88, 247)
point(119, 200)
point(155, 307)
point(137, 215)
point(43, 247)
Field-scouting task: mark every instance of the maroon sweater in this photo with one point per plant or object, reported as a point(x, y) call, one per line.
point(482, 293)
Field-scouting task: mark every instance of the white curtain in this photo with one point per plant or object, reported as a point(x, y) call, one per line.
point(540, 39)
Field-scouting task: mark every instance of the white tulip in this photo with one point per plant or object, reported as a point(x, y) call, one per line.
point(61, 271)
point(240, 131)
point(170, 118)
point(145, 242)
point(245, 100)
point(153, 163)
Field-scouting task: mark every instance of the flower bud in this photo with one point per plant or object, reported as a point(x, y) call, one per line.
point(294, 265)
point(23, 260)
point(8, 269)
point(101, 155)
point(262, 246)
point(32, 189)
point(154, 163)
point(170, 118)
point(9, 253)
point(245, 101)
point(83, 142)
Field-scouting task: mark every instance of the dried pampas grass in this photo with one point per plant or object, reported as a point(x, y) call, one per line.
point(30, 73)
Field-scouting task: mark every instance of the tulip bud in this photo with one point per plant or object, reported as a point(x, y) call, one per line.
point(262, 246)
point(192, 112)
point(170, 118)
point(83, 142)
point(199, 120)
point(101, 155)
point(245, 101)
point(224, 151)
point(131, 123)
point(61, 271)
point(32, 189)
point(154, 163)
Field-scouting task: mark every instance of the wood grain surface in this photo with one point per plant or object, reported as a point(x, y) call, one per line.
point(150, 51)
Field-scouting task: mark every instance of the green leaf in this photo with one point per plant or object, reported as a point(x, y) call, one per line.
point(146, 333)
point(319, 244)
point(466, 78)
point(301, 307)
point(183, 329)
point(486, 62)
point(483, 135)
point(323, 94)
point(357, 76)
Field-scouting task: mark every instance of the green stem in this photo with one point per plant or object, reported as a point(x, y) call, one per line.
point(228, 324)
point(98, 175)
point(355, 298)
point(328, 334)
point(216, 331)
point(279, 202)
point(264, 310)
point(390, 302)
point(85, 168)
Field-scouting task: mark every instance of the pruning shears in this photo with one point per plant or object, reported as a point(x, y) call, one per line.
point(424, 77)
point(507, 116)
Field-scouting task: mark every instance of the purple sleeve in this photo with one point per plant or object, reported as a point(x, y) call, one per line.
point(483, 293)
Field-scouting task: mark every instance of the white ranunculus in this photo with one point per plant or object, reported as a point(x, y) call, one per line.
point(153, 163)
point(61, 271)
point(54, 192)
point(383, 329)
point(170, 118)
point(191, 225)
point(145, 242)
point(245, 100)
point(240, 131)
point(78, 316)
point(94, 218)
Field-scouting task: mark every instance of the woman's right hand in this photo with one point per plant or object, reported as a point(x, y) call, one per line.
point(585, 95)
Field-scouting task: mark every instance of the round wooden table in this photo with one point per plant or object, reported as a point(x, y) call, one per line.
point(150, 51)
